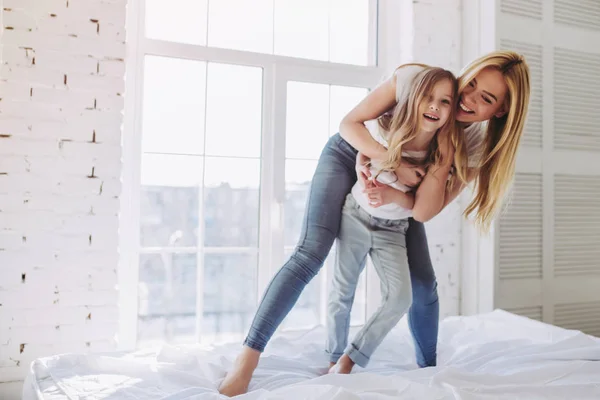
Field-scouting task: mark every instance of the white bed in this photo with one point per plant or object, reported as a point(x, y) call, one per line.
point(491, 356)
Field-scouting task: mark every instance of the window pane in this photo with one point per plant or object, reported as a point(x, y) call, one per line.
point(349, 32)
point(173, 113)
point(171, 170)
point(302, 28)
point(241, 25)
point(298, 175)
point(229, 295)
point(181, 21)
point(167, 298)
point(231, 202)
point(306, 313)
point(307, 119)
point(169, 200)
point(333, 30)
point(342, 100)
point(234, 110)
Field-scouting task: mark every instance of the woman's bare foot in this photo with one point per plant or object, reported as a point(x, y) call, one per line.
point(343, 366)
point(238, 378)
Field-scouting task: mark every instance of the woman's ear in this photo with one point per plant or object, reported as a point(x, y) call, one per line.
point(500, 113)
point(503, 110)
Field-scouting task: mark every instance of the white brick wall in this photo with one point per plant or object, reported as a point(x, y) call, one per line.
point(62, 90)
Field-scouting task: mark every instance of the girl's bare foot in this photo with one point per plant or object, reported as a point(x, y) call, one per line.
point(238, 378)
point(343, 366)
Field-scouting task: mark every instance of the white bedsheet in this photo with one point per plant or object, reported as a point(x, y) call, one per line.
point(491, 356)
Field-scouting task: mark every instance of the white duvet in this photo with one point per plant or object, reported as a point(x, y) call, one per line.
point(491, 356)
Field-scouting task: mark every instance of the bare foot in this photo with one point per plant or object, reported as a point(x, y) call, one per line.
point(331, 364)
point(238, 378)
point(343, 366)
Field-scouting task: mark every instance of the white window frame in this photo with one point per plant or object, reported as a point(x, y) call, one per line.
point(277, 71)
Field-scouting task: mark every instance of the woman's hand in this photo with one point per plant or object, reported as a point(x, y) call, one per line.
point(409, 175)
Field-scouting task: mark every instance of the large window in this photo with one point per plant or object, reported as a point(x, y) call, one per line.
point(232, 102)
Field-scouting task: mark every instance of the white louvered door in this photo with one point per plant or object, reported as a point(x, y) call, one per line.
point(545, 248)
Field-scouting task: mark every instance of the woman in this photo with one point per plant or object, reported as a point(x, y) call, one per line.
point(493, 99)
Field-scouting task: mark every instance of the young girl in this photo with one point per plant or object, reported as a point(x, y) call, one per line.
point(415, 131)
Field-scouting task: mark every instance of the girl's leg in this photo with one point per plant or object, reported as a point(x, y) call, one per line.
point(389, 259)
point(423, 316)
point(332, 181)
point(352, 248)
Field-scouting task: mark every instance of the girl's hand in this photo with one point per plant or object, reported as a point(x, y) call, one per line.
point(377, 194)
point(362, 170)
point(380, 195)
point(363, 174)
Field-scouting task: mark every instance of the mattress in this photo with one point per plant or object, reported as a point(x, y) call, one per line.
point(490, 356)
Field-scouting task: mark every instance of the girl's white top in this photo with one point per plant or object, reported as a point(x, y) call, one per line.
point(474, 135)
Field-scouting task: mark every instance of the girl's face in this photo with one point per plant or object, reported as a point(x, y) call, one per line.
point(483, 97)
point(435, 108)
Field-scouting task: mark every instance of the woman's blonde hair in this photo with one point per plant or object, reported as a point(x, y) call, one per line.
point(404, 123)
point(503, 134)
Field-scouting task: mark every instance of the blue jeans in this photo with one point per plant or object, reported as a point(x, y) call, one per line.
point(334, 177)
point(384, 240)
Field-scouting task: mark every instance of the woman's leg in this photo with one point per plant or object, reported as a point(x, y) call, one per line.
point(334, 177)
point(423, 316)
point(352, 248)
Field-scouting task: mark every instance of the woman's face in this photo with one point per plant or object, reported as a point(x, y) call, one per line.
point(483, 97)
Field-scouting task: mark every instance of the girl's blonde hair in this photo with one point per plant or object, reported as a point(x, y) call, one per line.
point(503, 134)
point(404, 123)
